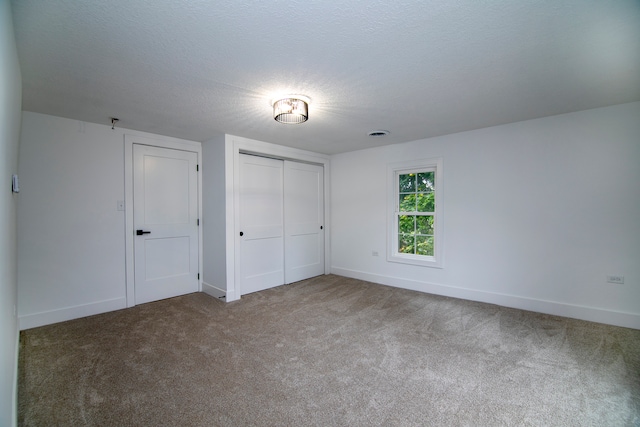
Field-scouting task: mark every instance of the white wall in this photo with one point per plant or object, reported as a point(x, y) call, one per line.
point(10, 106)
point(71, 237)
point(214, 217)
point(537, 214)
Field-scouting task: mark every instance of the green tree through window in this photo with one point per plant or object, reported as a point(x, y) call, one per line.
point(416, 213)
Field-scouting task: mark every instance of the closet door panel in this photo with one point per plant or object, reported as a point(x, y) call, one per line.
point(261, 223)
point(304, 221)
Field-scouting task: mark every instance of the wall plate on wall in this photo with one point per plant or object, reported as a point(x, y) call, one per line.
point(15, 185)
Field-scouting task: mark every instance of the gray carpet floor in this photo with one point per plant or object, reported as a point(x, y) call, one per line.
point(328, 351)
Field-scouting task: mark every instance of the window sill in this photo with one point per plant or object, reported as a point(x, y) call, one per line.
point(422, 261)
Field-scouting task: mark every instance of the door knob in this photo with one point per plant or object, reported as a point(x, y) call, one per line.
point(241, 234)
point(140, 232)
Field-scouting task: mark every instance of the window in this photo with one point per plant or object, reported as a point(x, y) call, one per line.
point(415, 213)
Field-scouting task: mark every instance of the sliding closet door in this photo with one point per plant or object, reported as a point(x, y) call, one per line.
point(281, 222)
point(304, 221)
point(261, 223)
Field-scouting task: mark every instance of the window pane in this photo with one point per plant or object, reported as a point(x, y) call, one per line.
point(407, 183)
point(407, 203)
point(426, 181)
point(424, 224)
point(406, 224)
point(425, 202)
point(405, 244)
point(424, 245)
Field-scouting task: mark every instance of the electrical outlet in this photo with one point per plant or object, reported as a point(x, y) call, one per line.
point(374, 253)
point(615, 279)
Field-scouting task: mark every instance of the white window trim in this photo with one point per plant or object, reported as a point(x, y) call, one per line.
point(393, 171)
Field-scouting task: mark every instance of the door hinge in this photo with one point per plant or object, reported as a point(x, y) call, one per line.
point(198, 276)
point(197, 168)
point(198, 222)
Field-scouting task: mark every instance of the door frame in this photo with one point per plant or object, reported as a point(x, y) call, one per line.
point(240, 145)
point(171, 143)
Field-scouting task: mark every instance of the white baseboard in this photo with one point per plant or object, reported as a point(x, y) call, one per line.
point(617, 318)
point(68, 313)
point(214, 291)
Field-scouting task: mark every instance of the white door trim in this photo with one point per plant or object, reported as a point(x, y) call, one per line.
point(176, 144)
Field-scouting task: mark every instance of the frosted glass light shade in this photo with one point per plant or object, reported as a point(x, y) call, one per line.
point(290, 111)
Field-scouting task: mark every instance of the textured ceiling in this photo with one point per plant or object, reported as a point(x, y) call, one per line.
point(196, 69)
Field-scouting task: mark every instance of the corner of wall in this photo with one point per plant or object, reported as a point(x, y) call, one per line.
point(10, 125)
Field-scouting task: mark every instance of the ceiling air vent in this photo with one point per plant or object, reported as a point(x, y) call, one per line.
point(379, 133)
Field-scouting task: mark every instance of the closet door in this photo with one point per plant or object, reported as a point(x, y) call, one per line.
point(303, 221)
point(261, 223)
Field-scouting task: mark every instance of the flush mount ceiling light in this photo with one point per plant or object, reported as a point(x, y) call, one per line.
point(291, 110)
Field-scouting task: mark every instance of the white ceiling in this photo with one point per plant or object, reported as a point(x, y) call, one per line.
point(196, 69)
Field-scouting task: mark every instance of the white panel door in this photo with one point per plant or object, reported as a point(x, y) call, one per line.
point(165, 198)
point(261, 223)
point(304, 221)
